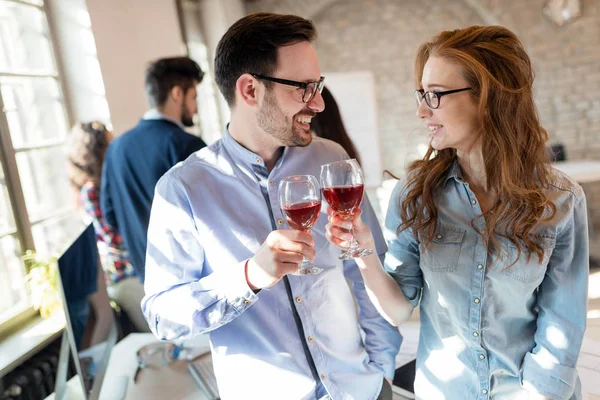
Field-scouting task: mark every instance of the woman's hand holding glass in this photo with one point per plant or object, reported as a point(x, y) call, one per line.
point(342, 183)
point(339, 230)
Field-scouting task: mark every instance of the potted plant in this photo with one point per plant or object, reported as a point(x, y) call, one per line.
point(42, 277)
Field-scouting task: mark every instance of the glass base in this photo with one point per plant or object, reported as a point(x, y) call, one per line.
point(308, 269)
point(355, 253)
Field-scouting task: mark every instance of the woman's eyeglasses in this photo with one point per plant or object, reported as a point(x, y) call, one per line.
point(432, 99)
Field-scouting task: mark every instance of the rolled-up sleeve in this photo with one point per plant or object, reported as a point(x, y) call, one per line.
point(402, 258)
point(549, 369)
point(183, 299)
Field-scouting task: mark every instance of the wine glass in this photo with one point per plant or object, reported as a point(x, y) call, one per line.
point(342, 183)
point(300, 201)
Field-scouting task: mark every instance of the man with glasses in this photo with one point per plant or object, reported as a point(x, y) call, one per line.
point(221, 258)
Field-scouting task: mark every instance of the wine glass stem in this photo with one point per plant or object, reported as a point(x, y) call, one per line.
point(304, 259)
point(353, 245)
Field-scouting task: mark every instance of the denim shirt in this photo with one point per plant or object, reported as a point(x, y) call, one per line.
point(487, 330)
point(210, 214)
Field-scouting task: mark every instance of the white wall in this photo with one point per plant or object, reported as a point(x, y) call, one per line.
point(216, 16)
point(129, 34)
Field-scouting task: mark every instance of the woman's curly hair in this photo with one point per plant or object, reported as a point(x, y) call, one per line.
point(88, 144)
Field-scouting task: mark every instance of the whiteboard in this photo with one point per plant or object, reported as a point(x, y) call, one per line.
point(354, 93)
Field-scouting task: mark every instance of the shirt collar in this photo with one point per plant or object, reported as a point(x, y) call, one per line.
point(454, 172)
point(242, 154)
point(153, 113)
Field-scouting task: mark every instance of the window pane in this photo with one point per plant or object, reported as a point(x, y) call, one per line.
point(45, 182)
point(14, 298)
point(53, 236)
point(24, 39)
point(34, 110)
point(7, 220)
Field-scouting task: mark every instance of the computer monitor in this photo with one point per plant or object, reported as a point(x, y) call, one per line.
point(90, 329)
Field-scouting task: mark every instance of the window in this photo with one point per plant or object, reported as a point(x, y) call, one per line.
point(36, 201)
point(211, 112)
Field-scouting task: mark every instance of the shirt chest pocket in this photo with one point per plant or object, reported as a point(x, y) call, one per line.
point(528, 268)
point(441, 255)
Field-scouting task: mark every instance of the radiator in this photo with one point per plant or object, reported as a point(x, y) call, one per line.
point(34, 379)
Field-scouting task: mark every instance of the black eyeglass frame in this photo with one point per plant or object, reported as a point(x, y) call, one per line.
point(421, 95)
point(319, 85)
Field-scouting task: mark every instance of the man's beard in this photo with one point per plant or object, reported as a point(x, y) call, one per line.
point(187, 118)
point(273, 121)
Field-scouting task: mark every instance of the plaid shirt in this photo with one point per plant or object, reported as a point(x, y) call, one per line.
point(115, 259)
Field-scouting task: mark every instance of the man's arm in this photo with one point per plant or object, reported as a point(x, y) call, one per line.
point(549, 369)
point(182, 300)
point(382, 340)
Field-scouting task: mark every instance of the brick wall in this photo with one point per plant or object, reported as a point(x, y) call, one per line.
point(383, 35)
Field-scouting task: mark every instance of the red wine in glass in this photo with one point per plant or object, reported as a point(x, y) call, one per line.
point(300, 201)
point(302, 216)
point(342, 183)
point(345, 200)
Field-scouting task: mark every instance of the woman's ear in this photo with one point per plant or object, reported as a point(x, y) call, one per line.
point(247, 90)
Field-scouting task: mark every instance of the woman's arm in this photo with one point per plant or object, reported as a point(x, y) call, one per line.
point(382, 289)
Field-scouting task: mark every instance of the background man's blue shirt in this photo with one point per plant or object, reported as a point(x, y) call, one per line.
point(133, 164)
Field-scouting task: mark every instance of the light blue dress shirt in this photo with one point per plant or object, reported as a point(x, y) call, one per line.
point(210, 214)
point(489, 331)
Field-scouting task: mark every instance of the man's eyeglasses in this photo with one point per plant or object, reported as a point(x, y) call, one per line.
point(432, 99)
point(309, 89)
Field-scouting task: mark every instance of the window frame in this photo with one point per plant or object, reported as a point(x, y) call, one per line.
point(23, 225)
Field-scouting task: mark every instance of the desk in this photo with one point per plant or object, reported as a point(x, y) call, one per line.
point(172, 382)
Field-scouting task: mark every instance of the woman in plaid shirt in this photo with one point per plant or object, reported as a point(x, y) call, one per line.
point(89, 142)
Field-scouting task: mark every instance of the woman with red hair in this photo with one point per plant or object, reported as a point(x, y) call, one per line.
point(483, 232)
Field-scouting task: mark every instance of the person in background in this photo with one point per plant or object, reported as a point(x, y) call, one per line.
point(483, 232)
point(328, 124)
point(220, 259)
point(137, 159)
point(88, 144)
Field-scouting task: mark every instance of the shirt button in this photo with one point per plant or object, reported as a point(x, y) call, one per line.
point(323, 376)
point(299, 299)
point(247, 302)
point(484, 391)
point(480, 266)
point(280, 221)
point(477, 301)
point(481, 357)
point(473, 201)
point(475, 334)
point(310, 339)
point(271, 181)
point(439, 236)
point(258, 160)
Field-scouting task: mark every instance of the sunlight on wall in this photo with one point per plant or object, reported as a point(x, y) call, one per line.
point(594, 286)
